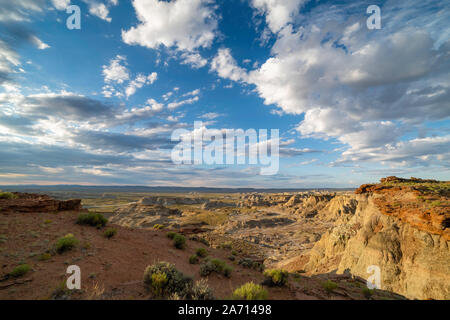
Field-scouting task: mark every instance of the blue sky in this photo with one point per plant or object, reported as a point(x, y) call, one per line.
point(98, 105)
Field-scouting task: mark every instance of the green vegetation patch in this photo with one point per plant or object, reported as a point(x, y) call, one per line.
point(92, 219)
point(109, 233)
point(215, 265)
point(201, 252)
point(7, 195)
point(20, 271)
point(276, 277)
point(66, 243)
point(250, 291)
point(329, 286)
point(179, 241)
point(164, 280)
point(249, 263)
point(194, 259)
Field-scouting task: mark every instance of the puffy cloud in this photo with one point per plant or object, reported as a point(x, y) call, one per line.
point(140, 81)
point(116, 71)
point(226, 67)
point(278, 12)
point(195, 60)
point(366, 89)
point(182, 24)
point(61, 4)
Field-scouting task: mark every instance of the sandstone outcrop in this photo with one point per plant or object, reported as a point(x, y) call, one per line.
point(28, 202)
point(393, 228)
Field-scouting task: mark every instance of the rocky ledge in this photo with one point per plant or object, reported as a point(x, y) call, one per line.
point(29, 202)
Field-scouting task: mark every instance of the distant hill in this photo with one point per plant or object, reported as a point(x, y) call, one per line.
point(100, 189)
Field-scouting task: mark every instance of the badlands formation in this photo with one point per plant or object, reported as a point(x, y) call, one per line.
point(399, 225)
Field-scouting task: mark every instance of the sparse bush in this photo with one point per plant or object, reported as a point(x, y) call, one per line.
point(329, 286)
point(234, 252)
point(250, 291)
point(179, 241)
point(109, 233)
point(66, 243)
point(227, 245)
point(201, 252)
point(227, 270)
point(7, 195)
point(215, 265)
point(201, 291)
point(367, 292)
point(249, 263)
point(45, 256)
point(61, 292)
point(276, 277)
point(20, 271)
point(158, 226)
point(159, 280)
point(171, 234)
point(164, 279)
point(92, 219)
point(194, 259)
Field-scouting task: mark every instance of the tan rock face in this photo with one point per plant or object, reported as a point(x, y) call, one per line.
point(413, 261)
point(139, 215)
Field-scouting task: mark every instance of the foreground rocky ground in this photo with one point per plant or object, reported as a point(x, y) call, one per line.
point(399, 225)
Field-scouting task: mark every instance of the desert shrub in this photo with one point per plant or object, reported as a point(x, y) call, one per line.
point(20, 271)
point(109, 233)
point(171, 234)
point(249, 263)
point(201, 252)
point(92, 219)
point(45, 256)
point(164, 279)
point(227, 270)
point(7, 195)
point(250, 291)
point(159, 280)
point(66, 243)
point(276, 277)
point(61, 292)
point(227, 245)
point(194, 259)
point(215, 265)
point(234, 252)
point(201, 291)
point(329, 286)
point(158, 226)
point(179, 241)
point(367, 293)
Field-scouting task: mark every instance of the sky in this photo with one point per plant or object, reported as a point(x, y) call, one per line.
point(98, 105)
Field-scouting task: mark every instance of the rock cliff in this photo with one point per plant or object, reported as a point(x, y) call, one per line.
point(399, 225)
